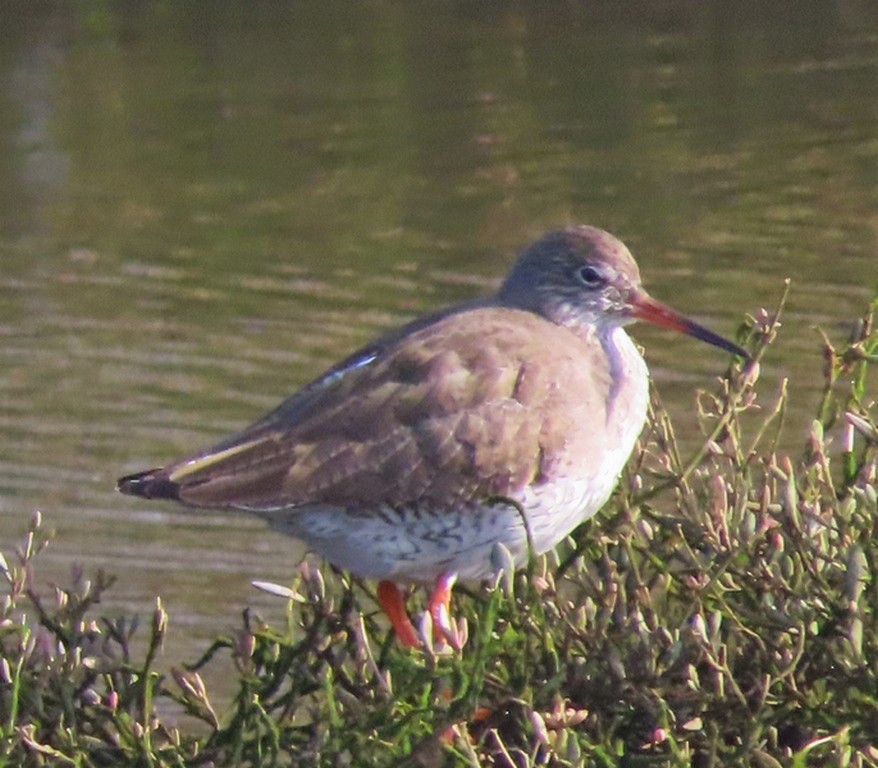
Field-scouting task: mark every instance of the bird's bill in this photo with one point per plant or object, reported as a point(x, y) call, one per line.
point(644, 307)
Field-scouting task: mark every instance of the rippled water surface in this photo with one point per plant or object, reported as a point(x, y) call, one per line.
point(202, 207)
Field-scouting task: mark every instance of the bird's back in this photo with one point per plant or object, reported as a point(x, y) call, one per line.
point(478, 404)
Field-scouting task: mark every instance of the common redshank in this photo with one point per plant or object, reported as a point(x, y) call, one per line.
point(506, 420)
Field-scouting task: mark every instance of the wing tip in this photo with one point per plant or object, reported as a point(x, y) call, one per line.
point(151, 484)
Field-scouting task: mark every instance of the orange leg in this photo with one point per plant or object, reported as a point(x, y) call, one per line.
point(440, 602)
point(390, 599)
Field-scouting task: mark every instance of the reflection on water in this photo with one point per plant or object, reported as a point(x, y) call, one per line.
point(202, 209)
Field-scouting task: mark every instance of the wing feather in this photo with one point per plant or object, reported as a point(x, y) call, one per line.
point(453, 414)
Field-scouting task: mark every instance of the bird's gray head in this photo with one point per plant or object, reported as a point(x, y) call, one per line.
point(579, 275)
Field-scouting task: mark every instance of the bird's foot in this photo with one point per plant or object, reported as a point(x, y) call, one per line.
point(391, 600)
point(445, 630)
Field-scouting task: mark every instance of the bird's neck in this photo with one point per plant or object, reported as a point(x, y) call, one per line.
point(629, 388)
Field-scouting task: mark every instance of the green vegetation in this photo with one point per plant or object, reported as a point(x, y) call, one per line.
point(722, 612)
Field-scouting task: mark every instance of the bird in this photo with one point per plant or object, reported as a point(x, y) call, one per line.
point(461, 441)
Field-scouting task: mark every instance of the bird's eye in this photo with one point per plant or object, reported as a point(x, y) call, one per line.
point(589, 276)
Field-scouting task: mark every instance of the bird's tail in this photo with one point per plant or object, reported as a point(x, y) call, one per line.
point(151, 484)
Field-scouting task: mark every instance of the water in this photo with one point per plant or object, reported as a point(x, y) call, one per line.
point(202, 208)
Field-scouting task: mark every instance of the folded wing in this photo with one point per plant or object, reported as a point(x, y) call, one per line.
point(442, 419)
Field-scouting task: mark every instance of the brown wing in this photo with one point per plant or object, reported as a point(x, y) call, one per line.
point(475, 405)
